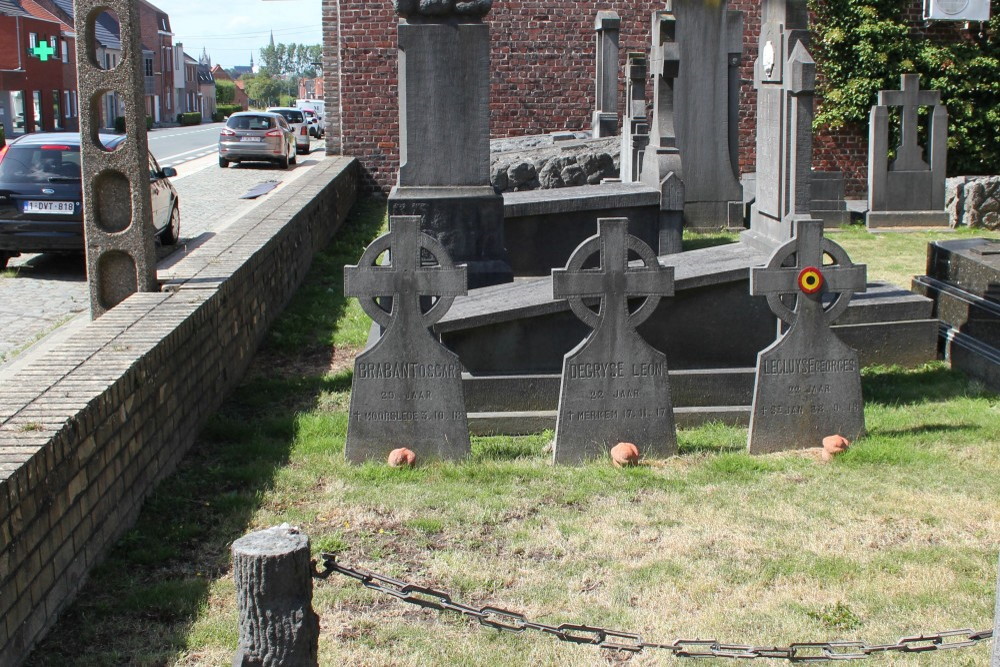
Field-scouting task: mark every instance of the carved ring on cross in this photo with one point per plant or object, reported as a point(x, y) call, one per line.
point(812, 282)
point(370, 259)
point(593, 246)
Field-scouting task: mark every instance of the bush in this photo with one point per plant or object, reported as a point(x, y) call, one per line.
point(223, 110)
point(189, 118)
point(863, 46)
point(120, 124)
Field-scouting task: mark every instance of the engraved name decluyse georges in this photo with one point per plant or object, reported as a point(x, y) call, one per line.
point(808, 382)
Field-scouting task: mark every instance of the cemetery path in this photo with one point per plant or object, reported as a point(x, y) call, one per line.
point(44, 298)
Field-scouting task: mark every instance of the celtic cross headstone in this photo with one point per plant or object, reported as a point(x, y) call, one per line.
point(808, 382)
point(407, 389)
point(614, 385)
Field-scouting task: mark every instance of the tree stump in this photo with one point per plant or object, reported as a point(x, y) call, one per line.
point(273, 573)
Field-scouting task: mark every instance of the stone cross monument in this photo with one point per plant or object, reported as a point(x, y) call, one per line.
point(808, 382)
point(614, 384)
point(635, 125)
point(785, 78)
point(908, 192)
point(605, 121)
point(444, 133)
point(407, 388)
point(117, 205)
point(695, 59)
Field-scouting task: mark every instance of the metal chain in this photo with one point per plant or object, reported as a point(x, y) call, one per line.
point(512, 621)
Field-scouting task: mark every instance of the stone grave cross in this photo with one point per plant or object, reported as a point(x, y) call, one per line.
point(808, 382)
point(909, 154)
point(614, 385)
point(407, 388)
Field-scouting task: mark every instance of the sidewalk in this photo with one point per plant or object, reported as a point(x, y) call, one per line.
point(44, 298)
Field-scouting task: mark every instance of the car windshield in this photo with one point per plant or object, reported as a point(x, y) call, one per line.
point(250, 123)
point(44, 163)
point(291, 115)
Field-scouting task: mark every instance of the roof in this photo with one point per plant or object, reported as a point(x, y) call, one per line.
point(40, 12)
point(205, 75)
point(219, 73)
point(106, 30)
point(242, 69)
point(12, 8)
point(188, 60)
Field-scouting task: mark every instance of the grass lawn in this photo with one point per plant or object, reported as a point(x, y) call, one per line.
point(897, 537)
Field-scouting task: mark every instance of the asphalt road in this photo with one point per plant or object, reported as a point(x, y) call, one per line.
point(45, 295)
point(172, 146)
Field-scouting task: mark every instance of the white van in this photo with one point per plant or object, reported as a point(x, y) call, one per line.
point(319, 106)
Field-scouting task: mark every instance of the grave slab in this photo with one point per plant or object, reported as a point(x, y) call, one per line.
point(615, 386)
point(808, 382)
point(407, 388)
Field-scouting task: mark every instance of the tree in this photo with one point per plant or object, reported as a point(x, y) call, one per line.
point(225, 91)
point(263, 89)
point(290, 59)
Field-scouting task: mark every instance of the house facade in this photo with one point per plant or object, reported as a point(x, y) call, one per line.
point(37, 70)
point(157, 62)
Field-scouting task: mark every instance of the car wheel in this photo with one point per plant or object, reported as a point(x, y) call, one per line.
point(4, 257)
point(306, 150)
point(295, 156)
point(172, 232)
point(284, 161)
point(223, 162)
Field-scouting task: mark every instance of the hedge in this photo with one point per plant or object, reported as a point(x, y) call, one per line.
point(223, 110)
point(120, 124)
point(189, 118)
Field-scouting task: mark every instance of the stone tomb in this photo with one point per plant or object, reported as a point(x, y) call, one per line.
point(407, 388)
point(908, 192)
point(614, 384)
point(808, 382)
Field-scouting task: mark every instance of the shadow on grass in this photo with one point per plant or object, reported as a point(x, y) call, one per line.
point(694, 241)
point(932, 382)
point(925, 429)
point(140, 605)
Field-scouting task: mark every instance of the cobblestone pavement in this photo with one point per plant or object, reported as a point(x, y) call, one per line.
point(41, 293)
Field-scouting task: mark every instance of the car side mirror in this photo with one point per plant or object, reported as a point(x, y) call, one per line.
point(168, 172)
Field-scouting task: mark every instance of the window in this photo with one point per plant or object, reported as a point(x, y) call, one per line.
point(57, 119)
point(32, 39)
point(68, 106)
point(65, 51)
point(149, 66)
point(170, 100)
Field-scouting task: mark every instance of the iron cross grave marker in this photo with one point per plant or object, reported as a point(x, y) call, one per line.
point(808, 383)
point(614, 384)
point(407, 388)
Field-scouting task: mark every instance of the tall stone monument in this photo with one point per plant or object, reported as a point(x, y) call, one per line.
point(808, 382)
point(785, 78)
point(117, 205)
point(605, 121)
point(444, 133)
point(407, 388)
point(695, 59)
point(635, 125)
point(614, 384)
point(907, 192)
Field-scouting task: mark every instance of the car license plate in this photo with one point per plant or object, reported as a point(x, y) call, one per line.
point(57, 207)
point(250, 139)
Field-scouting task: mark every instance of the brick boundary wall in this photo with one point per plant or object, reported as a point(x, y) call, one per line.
point(88, 430)
point(542, 78)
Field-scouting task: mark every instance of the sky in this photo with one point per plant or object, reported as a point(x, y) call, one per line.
point(232, 30)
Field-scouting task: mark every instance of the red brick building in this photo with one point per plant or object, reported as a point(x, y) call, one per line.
point(542, 71)
point(37, 89)
point(220, 74)
point(158, 62)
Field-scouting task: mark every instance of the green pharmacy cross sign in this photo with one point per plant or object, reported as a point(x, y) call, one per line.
point(43, 51)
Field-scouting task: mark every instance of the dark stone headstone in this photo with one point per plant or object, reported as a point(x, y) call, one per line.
point(444, 134)
point(614, 384)
point(808, 382)
point(908, 191)
point(407, 388)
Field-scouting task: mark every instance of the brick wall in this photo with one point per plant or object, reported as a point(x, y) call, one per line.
point(88, 430)
point(542, 72)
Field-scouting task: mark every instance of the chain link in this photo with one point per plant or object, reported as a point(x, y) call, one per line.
point(512, 621)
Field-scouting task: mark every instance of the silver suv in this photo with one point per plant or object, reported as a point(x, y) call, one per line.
point(299, 124)
point(256, 136)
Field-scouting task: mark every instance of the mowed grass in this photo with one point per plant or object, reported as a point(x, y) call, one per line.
point(897, 537)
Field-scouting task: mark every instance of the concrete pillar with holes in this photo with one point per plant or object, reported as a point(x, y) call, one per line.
point(117, 206)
